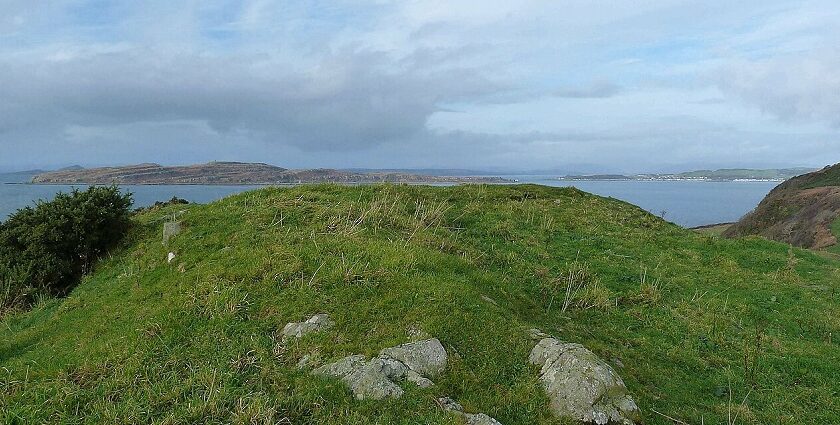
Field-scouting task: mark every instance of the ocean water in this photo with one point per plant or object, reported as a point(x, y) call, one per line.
point(687, 203)
point(14, 196)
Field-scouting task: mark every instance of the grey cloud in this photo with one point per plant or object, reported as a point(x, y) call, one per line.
point(595, 90)
point(347, 100)
point(802, 87)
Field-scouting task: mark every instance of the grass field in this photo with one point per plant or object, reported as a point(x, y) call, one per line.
point(835, 229)
point(714, 230)
point(707, 329)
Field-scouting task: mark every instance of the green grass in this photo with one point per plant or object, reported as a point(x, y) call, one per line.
point(143, 341)
point(835, 230)
point(716, 230)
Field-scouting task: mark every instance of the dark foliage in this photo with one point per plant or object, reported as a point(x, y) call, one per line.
point(161, 204)
point(46, 249)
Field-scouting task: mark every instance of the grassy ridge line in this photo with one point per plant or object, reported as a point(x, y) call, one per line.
point(689, 316)
point(828, 176)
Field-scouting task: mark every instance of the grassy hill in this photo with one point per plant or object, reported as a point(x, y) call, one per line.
point(747, 173)
point(799, 211)
point(828, 176)
point(700, 328)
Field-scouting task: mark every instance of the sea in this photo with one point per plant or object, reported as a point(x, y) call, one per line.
point(686, 203)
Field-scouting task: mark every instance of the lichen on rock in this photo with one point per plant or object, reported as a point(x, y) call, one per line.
point(581, 386)
point(453, 406)
point(376, 378)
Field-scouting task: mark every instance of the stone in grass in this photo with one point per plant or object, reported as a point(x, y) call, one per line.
point(170, 230)
point(427, 358)
point(315, 323)
point(375, 379)
point(366, 379)
point(470, 418)
point(581, 386)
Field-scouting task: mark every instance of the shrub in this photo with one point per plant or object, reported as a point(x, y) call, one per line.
point(46, 249)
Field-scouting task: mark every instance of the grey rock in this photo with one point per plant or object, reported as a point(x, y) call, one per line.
point(367, 380)
point(428, 358)
point(581, 386)
point(450, 405)
point(315, 323)
point(480, 419)
point(370, 383)
point(469, 418)
point(304, 361)
point(342, 367)
point(536, 334)
point(419, 380)
point(375, 378)
point(393, 369)
point(170, 230)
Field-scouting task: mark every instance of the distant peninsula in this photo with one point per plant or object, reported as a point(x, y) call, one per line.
point(726, 174)
point(237, 173)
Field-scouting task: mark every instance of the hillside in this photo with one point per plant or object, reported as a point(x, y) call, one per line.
point(747, 173)
point(801, 211)
point(235, 173)
point(725, 174)
point(19, 176)
point(700, 328)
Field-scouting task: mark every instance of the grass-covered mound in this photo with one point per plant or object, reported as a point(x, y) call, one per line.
point(799, 211)
point(702, 329)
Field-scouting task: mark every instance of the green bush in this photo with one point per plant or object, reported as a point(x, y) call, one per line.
point(46, 249)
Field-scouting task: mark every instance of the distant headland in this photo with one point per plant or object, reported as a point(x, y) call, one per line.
point(237, 173)
point(726, 174)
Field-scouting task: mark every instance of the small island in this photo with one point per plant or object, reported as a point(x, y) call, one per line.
point(238, 173)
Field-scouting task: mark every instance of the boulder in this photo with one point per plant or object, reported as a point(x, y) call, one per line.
point(376, 378)
point(581, 386)
point(366, 379)
point(427, 358)
point(469, 418)
point(315, 323)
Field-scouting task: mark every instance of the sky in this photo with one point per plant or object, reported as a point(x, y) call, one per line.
point(572, 85)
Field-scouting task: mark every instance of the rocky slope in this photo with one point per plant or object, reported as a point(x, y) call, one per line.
point(236, 173)
point(799, 211)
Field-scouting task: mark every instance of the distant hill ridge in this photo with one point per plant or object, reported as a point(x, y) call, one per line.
point(801, 211)
point(236, 173)
point(724, 174)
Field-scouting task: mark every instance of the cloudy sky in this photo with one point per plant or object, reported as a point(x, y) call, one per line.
point(592, 85)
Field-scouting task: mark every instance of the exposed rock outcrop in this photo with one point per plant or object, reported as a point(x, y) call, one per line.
point(427, 358)
point(470, 418)
point(366, 379)
point(581, 386)
point(376, 378)
point(315, 323)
